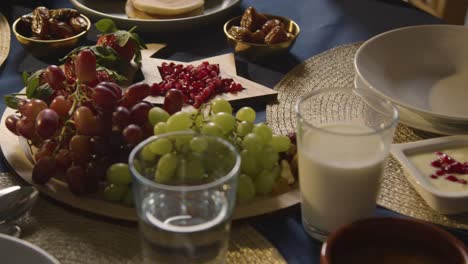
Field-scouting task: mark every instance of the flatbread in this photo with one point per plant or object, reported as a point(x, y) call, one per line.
point(167, 7)
point(132, 12)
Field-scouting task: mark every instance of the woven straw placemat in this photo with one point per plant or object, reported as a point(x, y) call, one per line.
point(4, 38)
point(335, 68)
point(72, 236)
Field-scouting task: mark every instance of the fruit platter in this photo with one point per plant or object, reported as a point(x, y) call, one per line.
point(70, 130)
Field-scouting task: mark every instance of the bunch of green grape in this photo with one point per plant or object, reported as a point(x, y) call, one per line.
point(259, 148)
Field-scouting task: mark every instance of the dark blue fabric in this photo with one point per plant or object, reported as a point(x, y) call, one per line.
point(324, 24)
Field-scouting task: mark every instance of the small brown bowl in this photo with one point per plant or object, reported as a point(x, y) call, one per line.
point(49, 49)
point(258, 51)
point(392, 240)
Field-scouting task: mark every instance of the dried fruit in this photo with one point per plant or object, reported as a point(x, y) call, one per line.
point(276, 35)
point(270, 24)
point(251, 20)
point(241, 34)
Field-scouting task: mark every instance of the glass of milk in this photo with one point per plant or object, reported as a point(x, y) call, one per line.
point(343, 137)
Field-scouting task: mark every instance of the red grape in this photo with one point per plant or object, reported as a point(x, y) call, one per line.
point(43, 170)
point(85, 65)
point(77, 180)
point(133, 134)
point(55, 77)
point(104, 124)
point(85, 121)
point(114, 87)
point(47, 122)
point(80, 147)
point(121, 116)
point(63, 159)
point(46, 149)
point(61, 106)
point(22, 103)
point(173, 101)
point(139, 113)
point(104, 97)
point(10, 123)
point(137, 92)
point(25, 127)
point(32, 108)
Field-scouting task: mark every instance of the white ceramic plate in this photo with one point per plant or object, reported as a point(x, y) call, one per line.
point(414, 119)
point(18, 160)
point(214, 10)
point(17, 251)
point(443, 201)
point(421, 68)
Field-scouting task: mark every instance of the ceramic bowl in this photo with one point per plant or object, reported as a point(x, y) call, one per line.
point(441, 200)
point(420, 68)
point(260, 51)
point(15, 250)
point(49, 49)
point(392, 240)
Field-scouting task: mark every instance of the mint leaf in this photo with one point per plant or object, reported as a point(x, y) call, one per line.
point(141, 44)
point(73, 52)
point(32, 86)
point(122, 37)
point(11, 101)
point(25, 76)
point(137, 58)
point(44, 91)
point(106, 25)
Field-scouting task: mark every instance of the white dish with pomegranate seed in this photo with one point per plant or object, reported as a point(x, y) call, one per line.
point(438, 170)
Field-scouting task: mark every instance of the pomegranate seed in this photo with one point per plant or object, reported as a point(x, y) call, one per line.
point(433, 176)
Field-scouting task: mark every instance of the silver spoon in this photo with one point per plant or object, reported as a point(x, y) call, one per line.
point(14, 202)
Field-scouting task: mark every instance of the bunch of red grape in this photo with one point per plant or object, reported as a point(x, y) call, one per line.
point(84, 129)
point(197, 84)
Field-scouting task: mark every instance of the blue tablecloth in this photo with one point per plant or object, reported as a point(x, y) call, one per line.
point(324, 24)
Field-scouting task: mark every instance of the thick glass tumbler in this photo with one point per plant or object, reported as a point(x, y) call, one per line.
point(185, 191)
point(343, 136)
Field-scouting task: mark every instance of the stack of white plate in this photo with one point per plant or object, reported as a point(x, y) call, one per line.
point(424, 71)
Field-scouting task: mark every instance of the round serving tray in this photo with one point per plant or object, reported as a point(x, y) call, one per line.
point(17, 158)
point(334, 68)
point(213, 11)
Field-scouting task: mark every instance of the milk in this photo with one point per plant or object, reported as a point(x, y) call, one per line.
point(339, 175)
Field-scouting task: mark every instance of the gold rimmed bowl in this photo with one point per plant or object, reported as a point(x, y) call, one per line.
point(50, 49)
point(260, 51)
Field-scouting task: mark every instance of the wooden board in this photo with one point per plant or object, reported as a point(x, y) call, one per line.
point(18, 160)
point(253, 93)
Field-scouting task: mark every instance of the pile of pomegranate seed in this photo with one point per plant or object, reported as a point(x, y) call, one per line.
point(447, 165)
point(198, 84)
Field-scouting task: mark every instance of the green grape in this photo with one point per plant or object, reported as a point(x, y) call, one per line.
point(246, 114)
point(225, 121)
point(166, 168)
point(194, 167)
point(147, 154)
point(128, 198)
point(249, 164)
point(212, 129)
point(244, 127)
point(119, 173)
point(245, 188)
point(264, 131)
point(160, 128)
point(252, 142)
point(179, 121)
point(199, 120)
point(181, 170)
point(115, 192)
point(280, 143)
point(220, 105)
point(160, 146)
point(156, 115)
point(198, 144)
point(182, 143)
point(265, 180)
point(268, 158)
